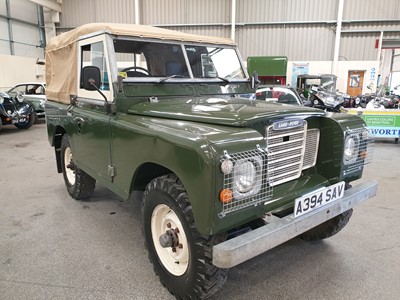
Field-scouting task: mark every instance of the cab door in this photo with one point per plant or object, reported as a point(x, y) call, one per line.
point(91, 122)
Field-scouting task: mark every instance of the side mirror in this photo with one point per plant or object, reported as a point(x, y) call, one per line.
point(91, 79)
point(91, 82)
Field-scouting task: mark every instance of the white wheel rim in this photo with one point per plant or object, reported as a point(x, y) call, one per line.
point(68, 171)
point(175, 260)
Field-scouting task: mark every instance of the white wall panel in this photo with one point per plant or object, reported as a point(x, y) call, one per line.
point(24, 10)
point(4, 29)
point(25, 34)
point(358, 46)
point(77, 12)
point(28, 51)
point(299, 29)
point(285, 10)
point(3, 10)
point(185, 11)
point(300, 42)
point(209, 30)
point(4, 47)
point(118, 11)
point(369, 10)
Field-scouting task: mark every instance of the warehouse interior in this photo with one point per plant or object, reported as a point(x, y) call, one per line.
point(199, 178)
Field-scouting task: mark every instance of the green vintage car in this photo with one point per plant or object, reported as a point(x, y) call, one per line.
point(225, 178)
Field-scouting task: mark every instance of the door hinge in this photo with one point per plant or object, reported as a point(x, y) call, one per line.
point(111, 171)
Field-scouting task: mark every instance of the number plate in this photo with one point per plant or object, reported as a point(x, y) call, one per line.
point(318, 198)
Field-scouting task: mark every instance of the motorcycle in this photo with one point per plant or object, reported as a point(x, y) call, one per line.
point(388, 101)
point(14, 110)
point(321, 98)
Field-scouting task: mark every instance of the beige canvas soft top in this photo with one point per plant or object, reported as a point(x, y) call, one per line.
point(61, 52)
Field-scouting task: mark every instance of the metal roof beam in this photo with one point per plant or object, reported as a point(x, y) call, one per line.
point(51, 4)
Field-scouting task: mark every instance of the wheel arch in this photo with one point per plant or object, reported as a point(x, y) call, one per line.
point(145, 173)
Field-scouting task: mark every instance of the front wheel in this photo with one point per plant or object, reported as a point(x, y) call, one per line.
point(328, 228)
point(181, 256)
point(30, 120)
point(79, 184)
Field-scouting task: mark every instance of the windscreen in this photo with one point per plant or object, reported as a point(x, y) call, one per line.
point(211, 62)
point(157, 59)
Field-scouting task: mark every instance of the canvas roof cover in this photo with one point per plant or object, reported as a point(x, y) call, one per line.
point(61, 52)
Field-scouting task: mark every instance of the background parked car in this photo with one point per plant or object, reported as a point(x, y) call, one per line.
point(278, 94)
point(34, 93)
point(14, 110)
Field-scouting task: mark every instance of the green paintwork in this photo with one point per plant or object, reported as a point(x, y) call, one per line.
point(189, 142)
point(218, 110)
point(267, 65)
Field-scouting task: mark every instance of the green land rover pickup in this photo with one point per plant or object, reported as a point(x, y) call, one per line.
point(225, 178)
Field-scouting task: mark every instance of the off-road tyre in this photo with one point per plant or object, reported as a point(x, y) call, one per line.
point(79, 184)
point(28, 124)
point(328, 228)
point(194, 276)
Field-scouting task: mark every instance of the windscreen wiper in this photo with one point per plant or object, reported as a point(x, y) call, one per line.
point(227, 81)
point(169, 77)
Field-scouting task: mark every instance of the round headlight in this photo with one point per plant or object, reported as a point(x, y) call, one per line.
point(19, 97)
point(245, 174)
point(350, 149)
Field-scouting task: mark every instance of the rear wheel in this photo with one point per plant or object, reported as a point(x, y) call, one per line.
point(328, 228)
point(181, 256)
point(79, 184)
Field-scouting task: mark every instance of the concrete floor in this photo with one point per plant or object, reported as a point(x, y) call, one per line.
point(53, 247)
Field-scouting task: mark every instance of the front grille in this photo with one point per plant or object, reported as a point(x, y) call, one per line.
point(290, 151)
point(310, 153)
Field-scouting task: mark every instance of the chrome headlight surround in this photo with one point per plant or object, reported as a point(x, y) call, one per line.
point(20, 98)
point(247, 177)
point(351, 149)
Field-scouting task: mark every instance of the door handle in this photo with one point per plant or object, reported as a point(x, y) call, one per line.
point(79, 124)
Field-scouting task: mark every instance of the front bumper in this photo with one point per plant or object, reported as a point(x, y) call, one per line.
point(41, 114)
point(279, 230)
